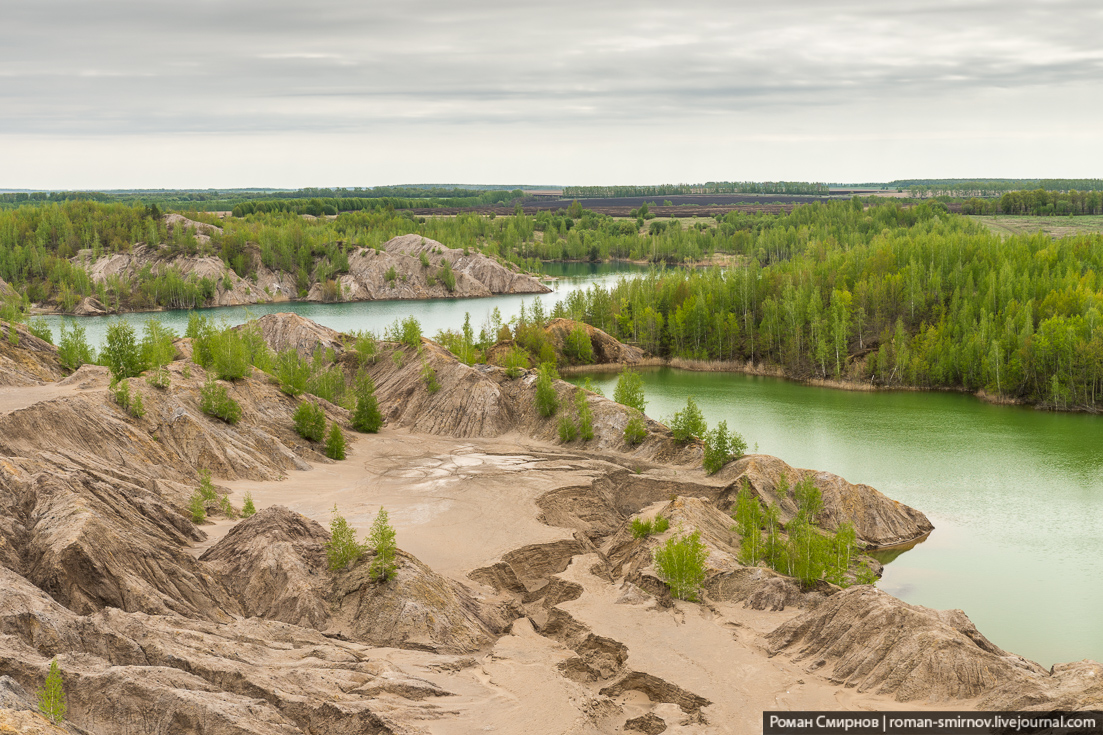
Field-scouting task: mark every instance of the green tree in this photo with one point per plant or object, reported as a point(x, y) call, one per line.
point(635, 431)
point(629, 390)
point(73, 349)
point(748, 522)
point(367, 418)
point(51, 697)
point(721, 447)
point(157, 346)
point(568, 429)
point(120, 351)
point(335, 442)
point(585, 415)
point(516, 360)
point(342, 548)
point(291, 371)
point(547, 401)
point(446, 276)
point(310, 421)
point(248, 509)
point(215, 400)
point(688, 423)
point(577, 347)
point(381, 539)
point(680, 563)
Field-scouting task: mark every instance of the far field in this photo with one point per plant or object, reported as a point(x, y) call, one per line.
point(1052, 226)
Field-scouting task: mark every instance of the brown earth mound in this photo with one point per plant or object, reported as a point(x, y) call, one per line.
point(878, 520)
point(282, 331)
point(26, 360)
point(865, 638)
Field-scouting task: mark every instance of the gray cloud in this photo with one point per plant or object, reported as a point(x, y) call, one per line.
point(799, 68)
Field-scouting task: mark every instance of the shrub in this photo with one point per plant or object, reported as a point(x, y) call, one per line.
point(248, 509)
point(585, 415)
point(159, 378)
point(73, 349)
point(516, 360)
point(635, 431)
point(229, 355)
point(688, 423)
point(578, 347)
point(381, 540)
point(366, 347)
point(424, 259)
point(429, 376)
point(120, 351)
point(680, 563)
point(629, 390)
point(568, 429)
point(748, 523)
point(547, 401)
point(643, 528)
point(310, 421)
point(406, 331)
point(391, 275)
point(157, 346)
point(342, 548)
point(39, 328)
point(291, 371)
point(215, 400)
point(197, 508)
point(721, 447)
point(335, 442)
point(367, 419)
point(51, 697)
point(446, 276)
point(588, 384)
point(865, 575)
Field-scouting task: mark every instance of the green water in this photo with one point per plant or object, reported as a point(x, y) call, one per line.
point(434, 314)
point(1016, 495)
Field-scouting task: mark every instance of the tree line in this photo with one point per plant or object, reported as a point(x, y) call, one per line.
point(1038, 202)
point(711, 187)
point(931, 301)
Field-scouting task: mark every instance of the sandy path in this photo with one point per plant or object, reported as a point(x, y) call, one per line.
point(457, 505)
point(14, 399)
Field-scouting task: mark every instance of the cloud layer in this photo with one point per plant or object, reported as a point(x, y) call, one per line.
point(558, 85)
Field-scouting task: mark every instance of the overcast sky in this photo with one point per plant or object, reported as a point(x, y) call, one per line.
point(228, 93)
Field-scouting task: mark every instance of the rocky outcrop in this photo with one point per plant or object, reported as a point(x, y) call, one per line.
point(90, 306)
point(26, 359)
point(393, 272)
point(282, 331)
point(275, 565)
point(476, 275)
point(878, 520)
point(6, 291)
point(865, 638)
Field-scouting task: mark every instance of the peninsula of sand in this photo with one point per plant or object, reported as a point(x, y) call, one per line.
point(522, 601)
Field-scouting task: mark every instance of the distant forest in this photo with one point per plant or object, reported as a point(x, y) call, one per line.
point(875, 291)
point(989, 187)
point(711, 187)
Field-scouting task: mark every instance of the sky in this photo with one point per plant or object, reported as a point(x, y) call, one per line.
point(241, 93)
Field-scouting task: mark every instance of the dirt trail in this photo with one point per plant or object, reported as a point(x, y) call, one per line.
point(20, 397)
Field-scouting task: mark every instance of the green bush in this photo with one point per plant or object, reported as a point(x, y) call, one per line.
point(367, 419)
point(516, 360)
point(197, 508)
point(291, 371)
point(73, 349)
point(51, 697)
point(748, 524)
point(547, 401)
point(248, 509)
point(120, 351)
point(629, 390)
point(865, 575)
point(577, 347)
point(429, 376)
point(424, 259)
point(446, 276)
point(406, 331)
point(310, 421)
point(335, 442)
point(688, 423)
point(585, 415)
point(721, 447)
point(381, 540)
point(643, 528)
point(159, 378)
point(215, 400)
point(680, 563)
point(635, 431)
point(391, 275)
point(342, 548)
point(568, 429)
point(157, 345)
point(366, 347)
point(588, 384)
point(39, 328)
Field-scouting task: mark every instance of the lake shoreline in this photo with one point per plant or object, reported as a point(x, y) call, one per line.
point(774, 371)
